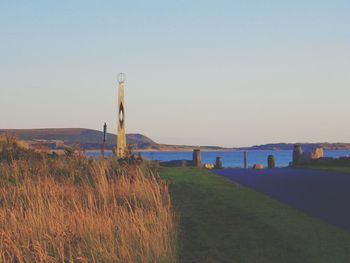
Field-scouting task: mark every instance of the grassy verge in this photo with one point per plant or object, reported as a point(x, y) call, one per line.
point(342, 169)
point(221, 221)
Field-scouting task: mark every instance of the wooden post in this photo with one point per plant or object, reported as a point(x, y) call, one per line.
point(104, 140)
point(197, 158)
point(271, 161)
point(218, 163)
point(245, 160)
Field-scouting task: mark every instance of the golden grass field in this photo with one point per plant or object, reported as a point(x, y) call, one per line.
point(77, 209)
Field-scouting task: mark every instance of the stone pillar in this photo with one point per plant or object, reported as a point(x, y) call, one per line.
point(197, 158)
point(271, 161)
point(297, 153)
point(245, 160)
point(218, 163)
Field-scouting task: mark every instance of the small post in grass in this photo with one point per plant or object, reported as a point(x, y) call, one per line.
point(104, 139)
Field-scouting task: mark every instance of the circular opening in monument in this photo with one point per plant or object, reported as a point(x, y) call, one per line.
point(121, 115)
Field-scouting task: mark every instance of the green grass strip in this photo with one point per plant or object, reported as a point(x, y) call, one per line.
point(222, 221)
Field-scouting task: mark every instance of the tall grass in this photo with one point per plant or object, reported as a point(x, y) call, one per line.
point(77, 209)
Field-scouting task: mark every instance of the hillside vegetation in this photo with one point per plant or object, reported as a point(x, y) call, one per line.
point(74, 209)
point(89, 139)
point(86, 138)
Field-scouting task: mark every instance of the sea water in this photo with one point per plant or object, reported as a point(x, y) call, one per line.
point(233, 158)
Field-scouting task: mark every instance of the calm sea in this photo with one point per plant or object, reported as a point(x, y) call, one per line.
point(233, 158)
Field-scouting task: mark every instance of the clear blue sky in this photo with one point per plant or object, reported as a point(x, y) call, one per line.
point(225, 73)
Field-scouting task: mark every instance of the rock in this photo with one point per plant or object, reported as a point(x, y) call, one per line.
point(313, 154)
point(209, 166)
point(258, 166)
point(317, 153)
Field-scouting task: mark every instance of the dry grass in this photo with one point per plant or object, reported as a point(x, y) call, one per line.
point(81, 210)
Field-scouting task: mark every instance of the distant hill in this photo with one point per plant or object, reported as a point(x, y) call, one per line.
point(306, 146)
point(87, 138)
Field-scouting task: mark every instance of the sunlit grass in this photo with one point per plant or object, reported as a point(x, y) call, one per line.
point(82, 210)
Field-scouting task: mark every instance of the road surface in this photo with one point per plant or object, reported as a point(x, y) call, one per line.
point(322, 194)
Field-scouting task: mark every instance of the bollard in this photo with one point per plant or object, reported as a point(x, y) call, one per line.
point(197, 158)
point(245, 160)
point(218, 163)
point(297, 153)
point(271, 161)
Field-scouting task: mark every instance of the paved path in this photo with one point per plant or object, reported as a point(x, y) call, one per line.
point(322, 194)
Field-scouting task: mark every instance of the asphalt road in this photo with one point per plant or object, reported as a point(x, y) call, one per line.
point(321, 194)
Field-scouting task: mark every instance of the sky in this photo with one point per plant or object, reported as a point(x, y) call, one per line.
point(229, 73)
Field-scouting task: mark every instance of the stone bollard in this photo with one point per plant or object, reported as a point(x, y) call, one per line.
point(245, 160)
point(271, 161)
point(197, 158)
point(218, 163)
point(297, 153)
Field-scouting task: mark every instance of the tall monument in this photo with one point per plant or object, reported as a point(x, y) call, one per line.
point(121, 137)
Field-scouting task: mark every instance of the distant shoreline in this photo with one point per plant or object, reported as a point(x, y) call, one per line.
point(204, 150)
point(179, 150)
point(89, 139)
